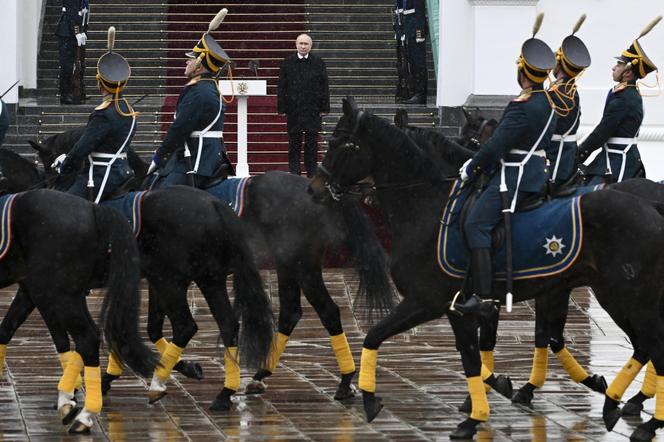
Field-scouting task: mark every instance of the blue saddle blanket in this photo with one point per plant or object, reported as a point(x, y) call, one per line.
point(130, 205)
point(545, 241)
point(6, 205)
point(232, 191)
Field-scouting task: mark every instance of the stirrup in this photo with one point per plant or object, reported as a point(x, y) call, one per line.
point(468, 306)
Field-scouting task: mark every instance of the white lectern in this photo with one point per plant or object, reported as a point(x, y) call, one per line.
point(242, 89)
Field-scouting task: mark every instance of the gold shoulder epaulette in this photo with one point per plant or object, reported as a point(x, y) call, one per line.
point(103, 105)
point(620, 87)
point(525, 96)
point(193, 81)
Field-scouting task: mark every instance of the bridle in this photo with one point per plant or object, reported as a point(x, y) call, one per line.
point(474, 140)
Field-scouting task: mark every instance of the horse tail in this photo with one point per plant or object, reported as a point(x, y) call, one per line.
point(375, 292)
point(120, 309)
point(251, 301)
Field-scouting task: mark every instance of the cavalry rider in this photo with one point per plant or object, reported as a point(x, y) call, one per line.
point(616, 134)
point(513, 158)
point(194, 143)
point(103, 146)
point(571, 59)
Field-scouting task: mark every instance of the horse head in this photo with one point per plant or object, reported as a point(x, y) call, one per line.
point(17, 173)
point(476, 130)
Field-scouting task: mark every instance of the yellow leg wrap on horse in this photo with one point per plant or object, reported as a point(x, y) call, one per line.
point(161, 345)
point(168, 359)
point(114, 366)
point(3, 352)
point(478, 397)
point(659, 400)
point(93, 399)
point(540, 362)
point(487, 362)
point(72, 372)
point(575, 371)
point(278, 347)
point(232, 367)
point(649, 386)
point(625, 377)
point(367, 380)
point(343, 354)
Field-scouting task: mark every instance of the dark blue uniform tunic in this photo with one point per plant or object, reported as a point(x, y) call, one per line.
point(623, 114)
point(106, 131)
point(523, 123)
point(564, 133)
point(197, 107)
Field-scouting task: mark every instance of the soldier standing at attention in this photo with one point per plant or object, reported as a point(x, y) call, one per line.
point(571, 59)
point(303, 95)
point(616, 134)
point(513, 158)
point(414, 24)
point(70, 31)
point(193, 150)
point(102, 148)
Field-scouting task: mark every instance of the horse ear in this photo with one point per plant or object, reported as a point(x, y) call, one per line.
point(466, 114)
point(36, 146)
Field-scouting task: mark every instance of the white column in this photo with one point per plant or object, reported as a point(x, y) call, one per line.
point(9, 50)
point(29, 34)
point(242, 167)
point(455, 52)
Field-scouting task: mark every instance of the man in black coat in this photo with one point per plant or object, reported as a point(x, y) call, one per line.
point(303, 96)
point(70, 31)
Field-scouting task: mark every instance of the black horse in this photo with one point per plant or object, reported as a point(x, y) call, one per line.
point(62, 246)
point(287, 230)
point(186, 236)
point(618, 229)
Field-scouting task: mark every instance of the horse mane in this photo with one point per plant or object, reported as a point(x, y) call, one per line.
point(446, 154)
point(63, 142)
point(20, 172)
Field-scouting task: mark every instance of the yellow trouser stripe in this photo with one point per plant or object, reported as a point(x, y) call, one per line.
point(114, 366)
point(659, 401)
point(367, 380)
point(93, 399)
point(343, 354)
point(278, 347)
point(540, 362)
point(72, 372)
point(624, 378)
point(232, 367)
point(649, 386)
point(573, 368)
point(168, 359)
point(478, 396)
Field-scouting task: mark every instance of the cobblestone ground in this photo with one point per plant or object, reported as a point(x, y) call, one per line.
point(419, 378)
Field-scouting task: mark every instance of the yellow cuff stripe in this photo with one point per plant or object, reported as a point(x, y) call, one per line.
point(540, 363)
point(478, 397)
point(114, 365)
point(624, 378)
point(571, 366)
point(93, 400)
point(649, 386)
point(278, 347)
point(168, 359)
point(342, 353)
point(232, 367)
point(368, 361)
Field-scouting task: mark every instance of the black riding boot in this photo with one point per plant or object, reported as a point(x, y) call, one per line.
point(482, 275)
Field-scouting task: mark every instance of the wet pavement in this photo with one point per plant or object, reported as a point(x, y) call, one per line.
point(419, 378)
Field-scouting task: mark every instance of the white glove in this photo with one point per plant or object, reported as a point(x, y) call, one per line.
point(463, 172)
point(152, 168)
point(81, 38)
point(58, 162)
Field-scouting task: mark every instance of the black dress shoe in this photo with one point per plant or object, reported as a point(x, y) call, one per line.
point(417, 99)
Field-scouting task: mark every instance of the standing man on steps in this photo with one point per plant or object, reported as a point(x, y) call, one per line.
point(411, 16)
point(70, 31)
point(303, 95)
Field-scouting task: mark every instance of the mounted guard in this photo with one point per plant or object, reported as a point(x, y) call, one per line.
point(572, 58)
point(102, 149)
point(193, 150)
point(514, 160)
point(615, 136)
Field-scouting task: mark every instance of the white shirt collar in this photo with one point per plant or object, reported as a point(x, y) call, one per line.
point(300, 56)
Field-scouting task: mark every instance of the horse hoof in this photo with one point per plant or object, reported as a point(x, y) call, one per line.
point(68, 412)
point(642, 435)
point(155, 396)
point(79, 428)
point(346, 390)
point(223, 400)
point(611, 418)
point(255, 387)
point(372, 405)
point(190, 369)
point(466, 429)
point(596, 383)
point(467, 405)
point(504, 386)
point(632, 409)
point(523, 396)
point(106, 380)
